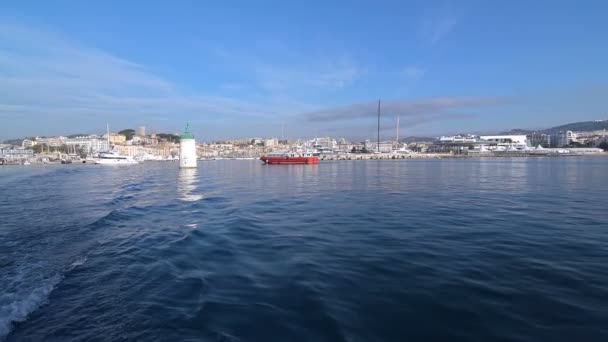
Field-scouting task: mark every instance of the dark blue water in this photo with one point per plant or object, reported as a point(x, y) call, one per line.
point(427, 250)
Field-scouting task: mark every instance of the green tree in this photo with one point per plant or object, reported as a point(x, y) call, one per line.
point(80, 151)
point(128, 133)
point(168, 137)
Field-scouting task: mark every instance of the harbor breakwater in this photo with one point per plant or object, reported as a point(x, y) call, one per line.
point(392, 156)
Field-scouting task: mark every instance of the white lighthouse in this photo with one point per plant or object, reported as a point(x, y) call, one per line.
point(187, 150)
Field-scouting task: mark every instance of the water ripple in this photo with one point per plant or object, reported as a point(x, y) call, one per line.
point(455, 250)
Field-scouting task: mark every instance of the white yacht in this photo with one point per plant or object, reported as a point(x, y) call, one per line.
point(113, 158)
point(403, 150)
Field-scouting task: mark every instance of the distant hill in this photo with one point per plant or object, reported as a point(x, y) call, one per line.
point(518, 131)
point(579, 126)
point(575, 126)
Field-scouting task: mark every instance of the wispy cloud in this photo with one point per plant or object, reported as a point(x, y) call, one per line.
point(438, 23)
point(431, 109)
point(326, 77)
point(276, 75)
point(63, 85)
point(388, 124)
point(42, 57)
point(47, 79)
point(413, 73)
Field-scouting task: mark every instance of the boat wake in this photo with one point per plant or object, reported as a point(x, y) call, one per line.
point(19, 300)
point(16, 306)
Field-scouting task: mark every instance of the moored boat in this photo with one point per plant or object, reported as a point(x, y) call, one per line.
point(113, 158)
point(289, 158)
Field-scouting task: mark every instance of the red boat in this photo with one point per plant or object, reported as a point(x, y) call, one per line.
point(289, 158)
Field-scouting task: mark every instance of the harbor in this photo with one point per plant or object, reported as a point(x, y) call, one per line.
point(130, 146)
point(297, 171)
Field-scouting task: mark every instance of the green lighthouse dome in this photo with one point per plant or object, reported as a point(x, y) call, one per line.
point(186, 134)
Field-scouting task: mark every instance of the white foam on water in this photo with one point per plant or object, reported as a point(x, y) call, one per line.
point(20, 295)
point(17, 306)
point(79, 262)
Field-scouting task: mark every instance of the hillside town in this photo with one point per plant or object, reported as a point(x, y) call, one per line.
point(142, 146)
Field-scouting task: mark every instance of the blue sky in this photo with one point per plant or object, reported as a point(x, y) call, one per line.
point(237, 69)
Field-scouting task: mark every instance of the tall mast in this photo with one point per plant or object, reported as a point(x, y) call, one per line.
point(108, 134)
point(378, 145)
point(397, 129)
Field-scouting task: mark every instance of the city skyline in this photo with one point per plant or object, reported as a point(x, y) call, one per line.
point(251, 69)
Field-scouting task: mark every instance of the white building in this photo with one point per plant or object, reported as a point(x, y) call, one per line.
point(271, 142)
point(138, 150)
point(11, 153)
point(458, 139)
point(89, 144)
point(325, 145)
point(52, 141)
point(115, 139)
point(385, 146)
point(505, 141)
point(27, 143)
point(566, 138)
point(143, 140)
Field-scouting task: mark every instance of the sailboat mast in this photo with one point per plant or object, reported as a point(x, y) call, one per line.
point(378, 145)
point(108, 132)
point(398, 129)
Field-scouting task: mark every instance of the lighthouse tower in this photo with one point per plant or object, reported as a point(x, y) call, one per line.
point(187, 150)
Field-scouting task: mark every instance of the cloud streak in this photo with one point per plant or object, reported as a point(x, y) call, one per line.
point(46, 78)
point(438, 23)
point(274, 75)
point(413, 73)
point(432, 109)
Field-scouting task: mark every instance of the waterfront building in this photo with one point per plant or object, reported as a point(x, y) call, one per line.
point(141, 131)
point(271, 142)
point(89, 144)
point(505, 140)
point(563, 138)
point(143, 140)
point(164, 151)
point(27, 143)
point(463, 143)
point(219, 147)
point(13, 153)
point(325, 145)
point(51, 141)
point(541, 139)
point(463, 139)
point(385, 146)
point(115, 139)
